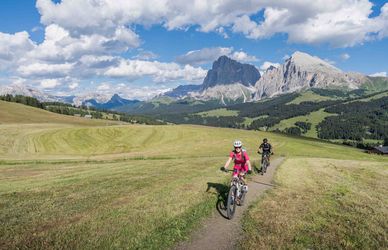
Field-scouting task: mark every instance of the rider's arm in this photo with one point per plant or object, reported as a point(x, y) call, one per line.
point(228, 162)
point(249, 165)
point(260, 147)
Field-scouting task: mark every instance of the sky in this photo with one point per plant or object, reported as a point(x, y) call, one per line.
point(143, 48)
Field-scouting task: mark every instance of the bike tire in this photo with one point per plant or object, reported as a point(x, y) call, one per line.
point(231, 204)
point(262, 168)
point(242, 199)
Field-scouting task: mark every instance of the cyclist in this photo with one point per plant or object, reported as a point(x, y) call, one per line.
point(241, 160)
point(267, 150)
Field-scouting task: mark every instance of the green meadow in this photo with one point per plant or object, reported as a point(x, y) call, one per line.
point(68, 182)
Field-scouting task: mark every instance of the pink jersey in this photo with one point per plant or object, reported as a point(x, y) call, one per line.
point(239, 163)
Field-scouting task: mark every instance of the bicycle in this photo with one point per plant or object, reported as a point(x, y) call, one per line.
point(264, 164)
point(237, 192)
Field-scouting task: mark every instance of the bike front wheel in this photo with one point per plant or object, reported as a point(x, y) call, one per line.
point(231, 204)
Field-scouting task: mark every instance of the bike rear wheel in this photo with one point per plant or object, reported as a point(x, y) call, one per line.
point(231, 204)
point(264, 166)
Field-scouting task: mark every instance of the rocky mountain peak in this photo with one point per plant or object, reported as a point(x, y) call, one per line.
point(310, 63)
point(228, 71)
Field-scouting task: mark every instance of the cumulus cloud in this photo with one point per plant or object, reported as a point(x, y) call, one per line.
point(383, 74)
point(73, 85)
point(344, 56)
point(203, 56)
point(12, 47)
point(103, 87)
point(158, 71)
point(45, 70)
point(243, 57)
point(49, 83)
point(208, 55)
point(267, 64)
point(340, 23)
point(145, 55)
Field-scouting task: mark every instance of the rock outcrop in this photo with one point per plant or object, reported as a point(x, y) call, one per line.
point(303, 71)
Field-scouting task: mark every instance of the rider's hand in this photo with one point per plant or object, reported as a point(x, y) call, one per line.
point(222, 169)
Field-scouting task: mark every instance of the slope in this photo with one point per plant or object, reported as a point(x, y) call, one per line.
point(22, 114)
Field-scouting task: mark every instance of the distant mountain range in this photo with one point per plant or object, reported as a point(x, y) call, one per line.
point(97, 100)
point(229, 82)
point(236, 82)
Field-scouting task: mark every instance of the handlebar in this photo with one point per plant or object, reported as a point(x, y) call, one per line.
point(231, 170)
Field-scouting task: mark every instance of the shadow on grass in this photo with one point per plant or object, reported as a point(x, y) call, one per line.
point(256, 166)
point(222, 196)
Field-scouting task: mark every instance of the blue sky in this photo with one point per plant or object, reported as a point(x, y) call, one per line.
point(142, 48)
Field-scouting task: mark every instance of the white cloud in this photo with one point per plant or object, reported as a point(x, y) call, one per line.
point(383, 74)
point(49, 83)
point(208, 55)
point(203, 56)
point(139, 93)
point(158, 71)
point(13, 47)
point(339, 23)
point(344, 56)
point(73, 85)
point(267, 64)
point(145, 55)
point(243, 57)
point(103, 87)
point(45, 70)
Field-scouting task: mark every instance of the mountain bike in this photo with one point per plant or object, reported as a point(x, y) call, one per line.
point(237, 192)
point(264, 163)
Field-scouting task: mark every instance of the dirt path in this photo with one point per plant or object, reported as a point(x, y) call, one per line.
point(217, 232)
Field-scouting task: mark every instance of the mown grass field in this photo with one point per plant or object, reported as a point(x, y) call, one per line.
point(72, 185)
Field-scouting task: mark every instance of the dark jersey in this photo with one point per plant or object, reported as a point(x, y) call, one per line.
point(266, 147)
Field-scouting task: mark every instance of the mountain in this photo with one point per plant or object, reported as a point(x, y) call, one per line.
point(114, 102)
point(182, 90)
point(228, 71)
point(303, 71)
point(21, 89)
point(226, 94)
point(228, 81)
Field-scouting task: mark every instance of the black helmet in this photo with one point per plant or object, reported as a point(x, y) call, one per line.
point(265, 140)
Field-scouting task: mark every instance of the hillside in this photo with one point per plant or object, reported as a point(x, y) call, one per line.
point(102, 186)
point(300, 113)
point(19, 113)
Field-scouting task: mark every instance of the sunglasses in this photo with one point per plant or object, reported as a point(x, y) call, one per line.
point(237, 147)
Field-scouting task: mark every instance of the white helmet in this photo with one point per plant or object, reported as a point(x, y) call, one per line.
point(237, 144)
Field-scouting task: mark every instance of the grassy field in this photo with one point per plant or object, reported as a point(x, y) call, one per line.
point(309, 96)
point(79, 185)
point(314, 118)
point(219, 112)
point(322, 204)
point(18, 113)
